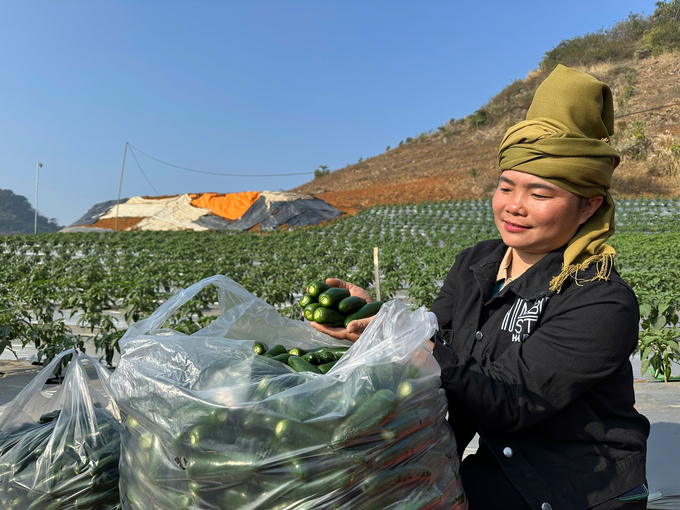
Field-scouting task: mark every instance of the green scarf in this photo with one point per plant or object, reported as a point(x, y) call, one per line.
point(565, 140)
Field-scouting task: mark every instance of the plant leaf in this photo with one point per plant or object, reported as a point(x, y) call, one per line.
point(660, 323)
point(6, 331)
point(645, 309)
point(644, 367)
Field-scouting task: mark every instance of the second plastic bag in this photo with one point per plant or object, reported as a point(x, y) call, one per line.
point(210, 424)
point(60, 452)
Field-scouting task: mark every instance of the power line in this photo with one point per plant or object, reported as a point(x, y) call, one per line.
point(648, 110)
point(67, 192)
point(216, 173)
point(140, 168)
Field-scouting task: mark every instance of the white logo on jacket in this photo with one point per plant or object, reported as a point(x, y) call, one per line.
point(522, 318)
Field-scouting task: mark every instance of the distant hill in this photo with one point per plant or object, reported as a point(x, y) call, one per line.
point(17, 216)
point(639, 58)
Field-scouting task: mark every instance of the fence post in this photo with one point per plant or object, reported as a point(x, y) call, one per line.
point(376, 270)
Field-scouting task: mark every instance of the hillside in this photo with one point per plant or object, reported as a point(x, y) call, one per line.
point(459, 158)
point(18, 217)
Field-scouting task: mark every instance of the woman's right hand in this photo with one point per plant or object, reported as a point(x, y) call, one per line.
point(354, 329)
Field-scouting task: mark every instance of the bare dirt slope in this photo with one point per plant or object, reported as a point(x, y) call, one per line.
point(459, 161)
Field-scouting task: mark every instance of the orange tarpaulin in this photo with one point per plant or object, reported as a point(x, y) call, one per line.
point(230, 206)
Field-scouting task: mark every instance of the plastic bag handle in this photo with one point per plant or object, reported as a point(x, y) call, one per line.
point(102, 372)
point(36, 384)
point(230, 294)
point(104, 377)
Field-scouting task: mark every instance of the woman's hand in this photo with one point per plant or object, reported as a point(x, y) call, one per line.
point(354, 328)
point(351, 333)
point(354, 290)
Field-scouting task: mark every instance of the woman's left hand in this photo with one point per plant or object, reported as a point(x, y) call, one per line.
point(354, 328)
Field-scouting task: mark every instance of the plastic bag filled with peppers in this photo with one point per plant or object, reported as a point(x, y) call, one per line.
point(60, 452)
point(210, 424)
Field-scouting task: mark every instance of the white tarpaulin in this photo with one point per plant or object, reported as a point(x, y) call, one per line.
point(282, 196)
point(271, 211)
point(173, 213)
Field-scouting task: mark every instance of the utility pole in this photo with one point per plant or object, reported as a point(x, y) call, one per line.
point(37, 178)
point(120, 186)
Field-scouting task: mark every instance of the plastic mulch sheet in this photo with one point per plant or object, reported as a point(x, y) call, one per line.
point(297, 213)
point(93, 215)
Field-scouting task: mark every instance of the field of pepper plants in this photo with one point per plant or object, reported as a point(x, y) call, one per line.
point(47, 279)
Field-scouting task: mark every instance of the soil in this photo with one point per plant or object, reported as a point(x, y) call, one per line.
point(446, 167)
point(125, 223)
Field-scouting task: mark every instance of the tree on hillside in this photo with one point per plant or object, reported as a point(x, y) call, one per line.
point(668, 11)
point(665, 35)
point(17, 216)
point(321, 171)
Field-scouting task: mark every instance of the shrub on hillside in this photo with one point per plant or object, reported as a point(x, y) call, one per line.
point(321, 171)
point(591, 48)
point(620, 79)
point(626, 39)
point(633, 143)
point(509, 105)
point(666, 160)
point(479, 118)
point(665, 37)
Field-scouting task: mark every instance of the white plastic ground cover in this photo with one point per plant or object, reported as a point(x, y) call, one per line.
point(60, 449)
point(209, 424)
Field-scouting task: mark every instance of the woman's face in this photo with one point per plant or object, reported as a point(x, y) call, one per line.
point(534, 216)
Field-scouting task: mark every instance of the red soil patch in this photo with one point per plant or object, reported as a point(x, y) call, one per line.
point(160, 197)
point(123, 223)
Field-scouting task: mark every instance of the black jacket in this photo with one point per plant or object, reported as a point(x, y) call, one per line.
point(544, 378)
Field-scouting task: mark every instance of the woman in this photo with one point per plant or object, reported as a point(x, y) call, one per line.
point(536, 328)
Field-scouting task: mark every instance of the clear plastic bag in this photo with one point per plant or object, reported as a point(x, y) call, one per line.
point(212, 425)
point(62, 451)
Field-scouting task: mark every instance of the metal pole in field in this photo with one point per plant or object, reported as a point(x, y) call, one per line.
point(120, 186)
point(376, 271)
point(37, 178)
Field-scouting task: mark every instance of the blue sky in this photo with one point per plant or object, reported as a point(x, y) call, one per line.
point(248, 87)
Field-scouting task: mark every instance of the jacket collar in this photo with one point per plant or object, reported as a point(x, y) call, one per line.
point(532, 285)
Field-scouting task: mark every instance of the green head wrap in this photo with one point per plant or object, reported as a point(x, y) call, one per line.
point(565, 140)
